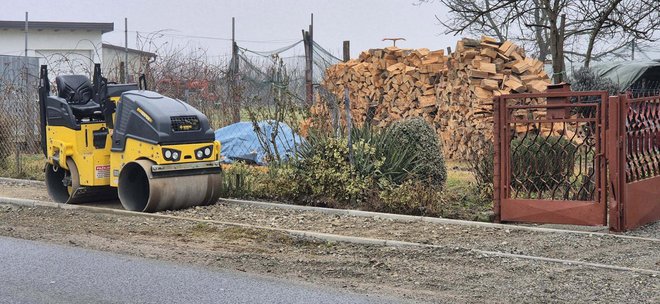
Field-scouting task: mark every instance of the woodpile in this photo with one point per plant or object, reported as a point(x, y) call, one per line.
point(453, 92)
point(389, 84)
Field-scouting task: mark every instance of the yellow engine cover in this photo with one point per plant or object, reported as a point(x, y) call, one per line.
point(93, 164)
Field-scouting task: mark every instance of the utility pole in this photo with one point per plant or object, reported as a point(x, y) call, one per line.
point(26, 36)
point(633, 49)
point(347, 50)
point(27, 112)
point(125, 50)
point(233, 72)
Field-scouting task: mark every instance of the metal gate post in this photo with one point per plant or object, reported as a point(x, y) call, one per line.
point(603, 123)
point(496, 158)
point(614, 154)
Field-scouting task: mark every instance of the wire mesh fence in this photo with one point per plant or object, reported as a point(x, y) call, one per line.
point(19, 111)
point(267, 90)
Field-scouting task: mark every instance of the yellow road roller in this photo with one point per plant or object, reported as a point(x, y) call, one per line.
point(103, 140)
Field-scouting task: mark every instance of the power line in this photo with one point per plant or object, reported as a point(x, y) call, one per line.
point(223, 38)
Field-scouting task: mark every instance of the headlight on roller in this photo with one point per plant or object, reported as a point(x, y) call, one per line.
point(171, 154)
point(204, 152)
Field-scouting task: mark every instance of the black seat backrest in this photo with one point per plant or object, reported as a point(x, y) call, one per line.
point(76, 89)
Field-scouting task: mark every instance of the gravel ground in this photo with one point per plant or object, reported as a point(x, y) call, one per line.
point(433, 275)
point(453, 272)
point(38, 192)
point(649, 231)
point(594, 248)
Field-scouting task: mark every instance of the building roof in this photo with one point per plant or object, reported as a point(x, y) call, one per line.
point(130, 50)
point(56, 25)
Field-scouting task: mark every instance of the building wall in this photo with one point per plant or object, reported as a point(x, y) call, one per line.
point(65, 51)
point(112, 59)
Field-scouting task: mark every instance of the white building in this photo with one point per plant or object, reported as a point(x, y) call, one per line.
point(113, 62)
point(67, 47)
point(71, 48)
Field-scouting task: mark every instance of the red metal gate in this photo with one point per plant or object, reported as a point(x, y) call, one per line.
point(549, 160)
point(553, 153)
point(634, 161)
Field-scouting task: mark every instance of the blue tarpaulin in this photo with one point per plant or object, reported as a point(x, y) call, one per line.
point(240, 141)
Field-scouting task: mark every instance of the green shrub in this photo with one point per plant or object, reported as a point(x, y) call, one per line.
point(541, 163)
point(283, 182)
point(273, 182)
point(324, 170)
point(422, 139)
point(378, 154)
point(411, 197)
point(241, 180)
point(586, 80)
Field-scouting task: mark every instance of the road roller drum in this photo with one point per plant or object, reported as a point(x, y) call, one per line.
point(141, 190)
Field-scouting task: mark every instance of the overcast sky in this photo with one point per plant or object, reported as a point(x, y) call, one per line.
point(260, 25)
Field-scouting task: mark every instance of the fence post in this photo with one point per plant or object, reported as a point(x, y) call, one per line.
point(613, 155)
point(122, 72)
point(308, 42)
point(347, 51)
point(18, 152)
point(347, 105)
point(496, 158)
point(233, 69)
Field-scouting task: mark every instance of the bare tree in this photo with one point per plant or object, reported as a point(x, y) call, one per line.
point(587, 29)
point(616, 24)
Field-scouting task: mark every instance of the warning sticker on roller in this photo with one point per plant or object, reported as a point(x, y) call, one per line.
point(102, 171)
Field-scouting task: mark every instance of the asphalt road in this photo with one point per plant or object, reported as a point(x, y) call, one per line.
point(34, 272)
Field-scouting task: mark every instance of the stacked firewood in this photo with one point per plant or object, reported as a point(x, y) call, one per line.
point(395, 83)
point(453, 92)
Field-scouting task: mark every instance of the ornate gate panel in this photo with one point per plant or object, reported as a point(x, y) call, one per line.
point(549, 160)
point(634, 161)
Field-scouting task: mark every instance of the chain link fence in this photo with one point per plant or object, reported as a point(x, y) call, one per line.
point(267, 92)
point(19, 114)
point(264, 89)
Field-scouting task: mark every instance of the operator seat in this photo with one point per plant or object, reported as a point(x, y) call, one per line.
point(78, 92)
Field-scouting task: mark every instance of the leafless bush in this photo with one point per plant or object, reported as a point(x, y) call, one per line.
point(189, 75)
point(281, 107)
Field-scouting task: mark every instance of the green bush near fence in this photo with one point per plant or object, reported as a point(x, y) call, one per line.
point(324, 171)
point(541, 163)
point(422, 140)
